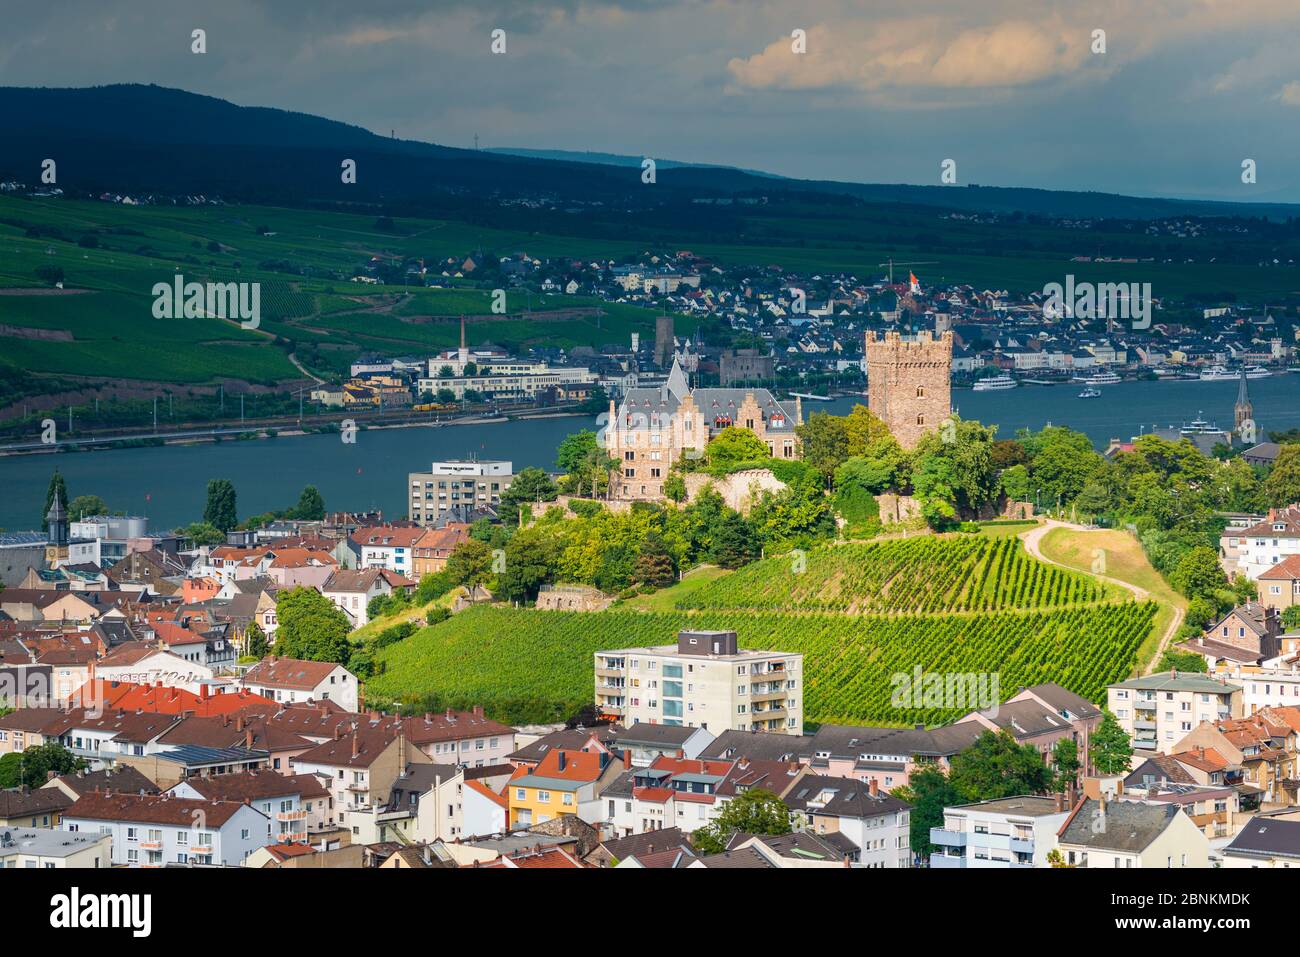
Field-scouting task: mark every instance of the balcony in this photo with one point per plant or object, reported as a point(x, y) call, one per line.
point(292, 837)
point(1022, 846)
point(610, 672)
point(995, 842)
point(940, 862)
point(1144, 725)
point(769, 714)
point(291, 815)
point(201, 849)
point(151, 845)
point(939, 835)
point(762, 696)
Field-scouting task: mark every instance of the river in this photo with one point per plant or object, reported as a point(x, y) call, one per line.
point(168, 484)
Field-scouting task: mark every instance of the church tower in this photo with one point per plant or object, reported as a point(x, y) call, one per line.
point(909, 383)
point(1243, 411)
point(56, 549)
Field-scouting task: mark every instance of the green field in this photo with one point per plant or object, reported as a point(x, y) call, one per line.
point(950, 605)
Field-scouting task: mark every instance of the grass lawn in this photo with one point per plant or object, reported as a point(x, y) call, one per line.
point(1004, 529)
point(1123, 560)
point(665, 599)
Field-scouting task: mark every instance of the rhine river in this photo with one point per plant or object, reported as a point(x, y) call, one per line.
point(168, 484)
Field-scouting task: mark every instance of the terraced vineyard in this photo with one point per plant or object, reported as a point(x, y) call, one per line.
point(525, 665)
point(926, 575)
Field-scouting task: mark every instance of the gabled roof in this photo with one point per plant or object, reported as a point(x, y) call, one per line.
point(291, 673)
point(259, 785)
point(1129, 826)
point(123, 778)
point(1266, 837)
point(153, 809)
point(20, 802)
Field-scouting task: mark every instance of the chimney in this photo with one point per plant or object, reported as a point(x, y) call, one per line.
point(873, 787)
point(204, 692)
point(225, 720)
point(239, 722)
point(561, 759)
point(1119, 787)
point(680, 754)
point(356, 744)
point(248, 739)
point(627, 759)
point(338, 731)
point(1059, 801)
point(478, 710)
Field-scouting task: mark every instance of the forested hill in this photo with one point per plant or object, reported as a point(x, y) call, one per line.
point(151, 139)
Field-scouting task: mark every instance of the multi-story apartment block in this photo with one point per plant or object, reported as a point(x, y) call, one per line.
point(154, 830)
point(1006, 833)
point(703, 681)
point(456, 484)
point(653, 428)
point(1157, 711)
point(359, 767)
point(47, 848)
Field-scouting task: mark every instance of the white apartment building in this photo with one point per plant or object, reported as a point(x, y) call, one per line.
point(456, 482)
point(1263, 687)
point(1257, 548)
point(41, 848)
point(510, 381)
point(1158, 710)
point(154, 830)
point(1008, 833)
point(704, 681)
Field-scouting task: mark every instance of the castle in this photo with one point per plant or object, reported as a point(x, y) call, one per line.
point(909, 383)
point(652, 428)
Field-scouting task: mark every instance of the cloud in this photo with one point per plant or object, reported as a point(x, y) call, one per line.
point(924, 52)
point(1289, 94)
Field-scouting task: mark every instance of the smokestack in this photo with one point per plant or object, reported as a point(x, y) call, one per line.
point(873, 787)
point(627, 759)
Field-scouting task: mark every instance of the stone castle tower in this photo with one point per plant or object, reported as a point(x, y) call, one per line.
point(909, 383)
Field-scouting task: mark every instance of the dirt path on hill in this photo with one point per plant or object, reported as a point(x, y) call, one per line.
point(1033, 539)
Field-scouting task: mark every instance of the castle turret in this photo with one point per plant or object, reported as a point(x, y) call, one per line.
point(909, 382)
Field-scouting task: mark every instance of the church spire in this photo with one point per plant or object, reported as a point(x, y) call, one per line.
point(1243, 411)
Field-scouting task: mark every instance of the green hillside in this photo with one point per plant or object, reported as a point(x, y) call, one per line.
point(925, 574)
point(524, 665)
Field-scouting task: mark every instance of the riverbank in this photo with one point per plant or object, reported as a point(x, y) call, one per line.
point(216, 436)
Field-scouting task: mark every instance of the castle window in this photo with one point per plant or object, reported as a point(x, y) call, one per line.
point(920, 419)
point(920, 392)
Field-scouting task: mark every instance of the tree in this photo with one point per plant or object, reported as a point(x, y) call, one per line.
point(1187, 661)
point(734, 447)
point(675, 488)
point(201, 533)
point(32, 767)
point(733, 542)
point(1291, 617)
point(255, 643)
point(585, 463)
point(84, 505)
point(56, 489)
point(1093, 499)
point(1198, 573)
point(1282, 487)
point(995, 766)
point(824, 442)
point(530, 562)
point(310, 507)
point(1065, 761)
point(928, 791)
point(1110, 749)
point(471, 565)
point(529, 485)
point(755, 811)
point(654, 566)
point(965, 451)
point(311, 627)
point(220, 511)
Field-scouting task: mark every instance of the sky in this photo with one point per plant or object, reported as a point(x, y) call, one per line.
point(1015, 92)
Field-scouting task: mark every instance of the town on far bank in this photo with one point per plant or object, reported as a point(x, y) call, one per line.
point(725, 631)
